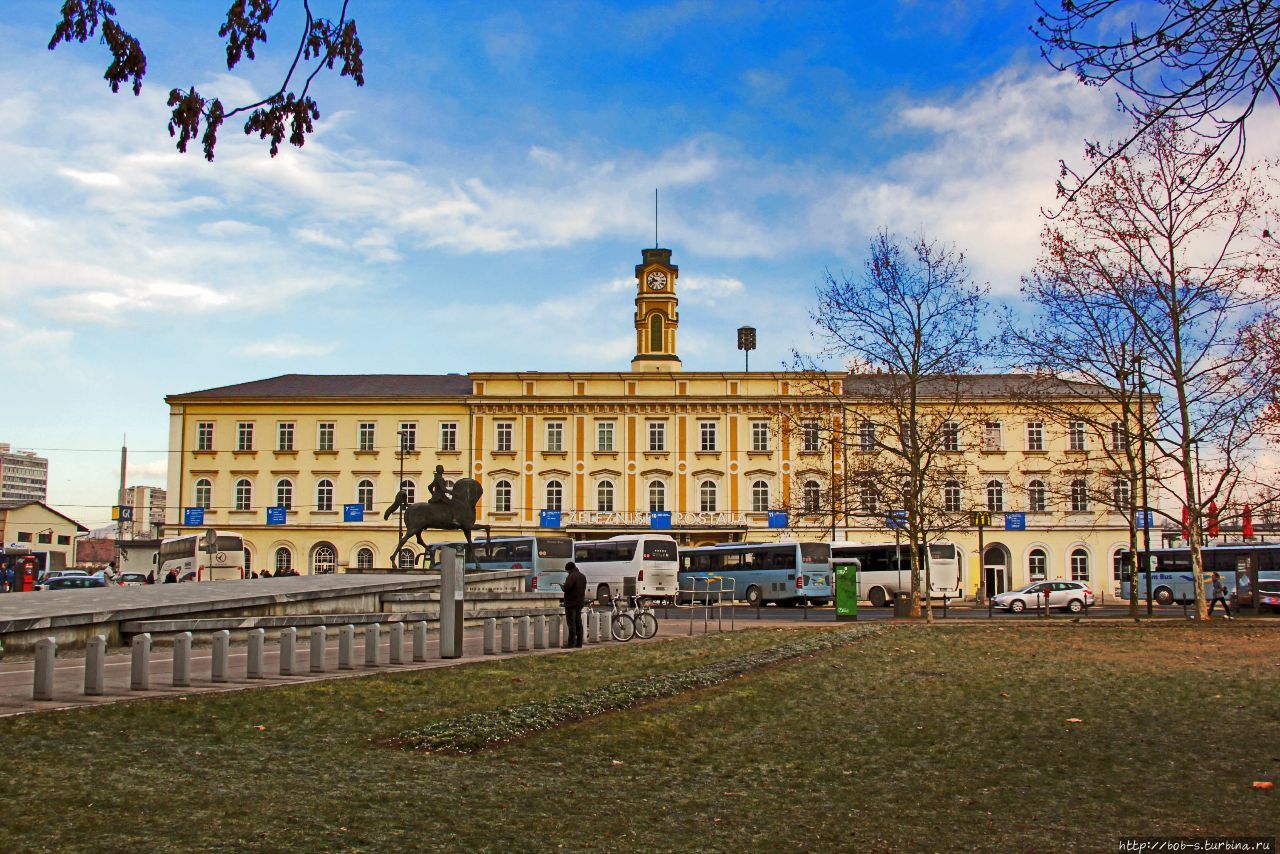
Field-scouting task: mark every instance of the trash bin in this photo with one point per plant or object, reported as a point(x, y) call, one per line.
point(902, 604)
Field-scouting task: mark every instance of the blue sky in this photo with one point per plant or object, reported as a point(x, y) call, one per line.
point(480, 204)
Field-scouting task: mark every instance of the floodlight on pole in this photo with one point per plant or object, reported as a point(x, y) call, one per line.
point(746, 343)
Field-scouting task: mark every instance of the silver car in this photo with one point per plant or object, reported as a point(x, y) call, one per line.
point(1073, 596)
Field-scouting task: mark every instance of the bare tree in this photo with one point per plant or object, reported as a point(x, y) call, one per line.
point(322, 43)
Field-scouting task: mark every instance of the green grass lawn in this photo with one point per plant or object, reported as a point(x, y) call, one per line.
point(946, 738)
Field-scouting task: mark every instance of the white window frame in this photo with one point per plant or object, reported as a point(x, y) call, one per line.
point(810, 436)
point(760, 496)
point(204, 485)
point(604, 436)
point(554, 494)
point(657, 489)
point(244, 494)
point(708, 496)
point(410, 489)
point(604, 496)
point(204, 435)
point(503, 436)
point(993, 436)
point(952, 497)
point(866, 436)
point(364, 494)
point(285, 433)
point(555, 437)
point(1076, 438)
point(324, 495)
point(995, 496)
point(1037, 564)
point(657, 437)
point(812, 495)
point(708, 437)
point(408, 437)
point(502, 492)
point(1035, 435)
point(326, 435)
point(284, 493)
point(367, 436)
point(244, 435)
point(1037, 496)
point(760, 436)
point(1078, 560)
point(951, 436)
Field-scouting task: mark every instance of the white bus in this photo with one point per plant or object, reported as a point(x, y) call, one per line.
point(885, 569)
point(643, 565)
point(187, 557)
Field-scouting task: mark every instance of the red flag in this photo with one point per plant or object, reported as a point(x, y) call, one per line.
point(1248, 523)
point(1213, 519)
point(1186, 522)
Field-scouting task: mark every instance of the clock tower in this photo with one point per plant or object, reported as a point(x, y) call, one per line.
point(656, 315)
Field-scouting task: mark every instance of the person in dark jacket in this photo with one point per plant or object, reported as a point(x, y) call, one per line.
point(171, 577)
point(575, 596)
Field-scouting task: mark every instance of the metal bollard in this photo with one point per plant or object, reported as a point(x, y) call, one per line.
point(346, 645)
point(319, 635)
point(397, 643)
point(221, 652)
point(553, 639)
point(539, 632)
point(288, 646)
point(524, 628)
point(257, 644)
point(590, 634)
point(182, 660)
point(140, 663)
point(491, 636)
point(95, 670)
point(372, 638)
point(508, 630)
point(420, 640)
point(46, 651)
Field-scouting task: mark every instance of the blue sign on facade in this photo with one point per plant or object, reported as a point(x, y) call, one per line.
point(1015, 521)
point(549, 518)
point(1146, 519)
point(896, 520)
point(660, 520)
point(193, 515)
point(778, 519)
point(353, 512)
point(276, 515)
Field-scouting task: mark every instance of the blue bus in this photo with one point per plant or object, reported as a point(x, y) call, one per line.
point(1172, 580)
point(544, 558)
point(786, 573)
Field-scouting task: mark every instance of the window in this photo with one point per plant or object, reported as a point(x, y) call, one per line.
point(24, 536)
point(992, 436)
point(1075, 435)
point(868, 497)
point(364, 494)
point(244, 494)
point(1035, 435)
point(364, 559)
point(1037, 565)
point(244, 436)
point(760, 435)
point(655, 333)
point(248, 562)
point(324, 560)
point(502, 436)
point(811, 494)
point(284, 493)
point(410, 490)
point(204, 493)
point(406, 559)
point(555, 495)
point(952, 500)
point(324, 436)
point(408, 436)
point(64, 540)
point(204, 436)
point(1118, 566)
point(555, 437)
point(324, 495)
point(45, 537)
point(657, 496)
point(284, 561)
point(1119, 436)
point(809, 436)
point(1079, 496)
point(707, 496)
point(995, 496)
point(1120, 494)
point(604, 496)
point(365, 434)
point(657, 436)
point(706, 435)
point(1079, 565)
point(604, 435)
point(866, 436)
point(284, 436)
point(951, 435)
point(759, 497)
point(1037, 499)
point(502, 496)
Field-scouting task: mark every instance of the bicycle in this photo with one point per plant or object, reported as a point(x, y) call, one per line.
point(646, 622)
point(621, 624)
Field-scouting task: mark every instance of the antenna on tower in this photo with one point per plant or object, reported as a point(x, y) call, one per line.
point(655, 217)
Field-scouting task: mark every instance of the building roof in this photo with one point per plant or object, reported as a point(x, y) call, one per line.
point(975, 385)
point(6, 506)
point(338, 386)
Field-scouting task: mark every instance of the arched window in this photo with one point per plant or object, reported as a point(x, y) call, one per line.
point(1037, 499)
point(759, 497)
point(204, 493)
point(406, 559)
point(1120, 494)
point(324, 495)
point(324, 560)
point(707, 496)
point(1118, 566)
point(284, 561)
point(1037, 565)
point(410, 490)
point(364, 494)
point(555, 495)
point(657, 496)
point(952, 500)
point(1079, 496)
point(995, 496)
point(604, 496)
point(284, 493)
point(868, 497)
point(248, 562)
point(1079, 565)
point(502, 496)
point(655, 333)
point(364, 559)
point(812, 496)
point(244, 494)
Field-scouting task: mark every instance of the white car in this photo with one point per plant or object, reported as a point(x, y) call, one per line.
point(1073, 596)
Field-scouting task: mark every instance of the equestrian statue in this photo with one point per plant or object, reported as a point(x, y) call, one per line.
point(445, 512)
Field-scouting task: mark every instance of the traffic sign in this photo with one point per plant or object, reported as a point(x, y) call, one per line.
point(193, 516)
point(353, 512)
point(1015, 521)
point(276, 515)
point(660, 520)
point(778, 519)
point(1146, 519)
point(896, 520)
point(549, 518)
point(980, 518)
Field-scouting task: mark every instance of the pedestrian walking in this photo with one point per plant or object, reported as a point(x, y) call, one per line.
point(575, 596)
point(151, 577)
point(171, 577)
point(1219, 595)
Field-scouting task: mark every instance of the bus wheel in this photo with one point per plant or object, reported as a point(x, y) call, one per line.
point(1163, 596)
point(878, 597)
point(754, 596)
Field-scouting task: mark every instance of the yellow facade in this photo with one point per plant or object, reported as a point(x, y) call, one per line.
point(717, 450)
point(35, 527)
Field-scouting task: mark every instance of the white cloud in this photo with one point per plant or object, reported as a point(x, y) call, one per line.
point(287, 348)
point(709, 290)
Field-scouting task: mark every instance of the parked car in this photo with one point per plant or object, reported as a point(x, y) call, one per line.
point(73, 582)
point(54, 574)
point(131, 579)
point(1269, 596)
point(1073, 596)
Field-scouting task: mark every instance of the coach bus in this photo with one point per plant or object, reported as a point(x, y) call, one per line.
point(786, 573)
point(885, 569)
point(642, 565)
point(187, 557)
point(543, 558)
point(1172, 580)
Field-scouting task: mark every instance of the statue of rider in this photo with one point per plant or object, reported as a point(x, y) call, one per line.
point(439, 488)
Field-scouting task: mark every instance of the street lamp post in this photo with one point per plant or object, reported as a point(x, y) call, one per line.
point(400, 522)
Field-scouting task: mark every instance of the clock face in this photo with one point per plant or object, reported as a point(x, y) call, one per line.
point(657, 280)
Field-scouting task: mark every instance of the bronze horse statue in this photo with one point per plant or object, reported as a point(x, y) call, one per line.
point(458, 512)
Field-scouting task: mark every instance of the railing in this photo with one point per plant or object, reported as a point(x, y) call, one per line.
point(705, 593)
